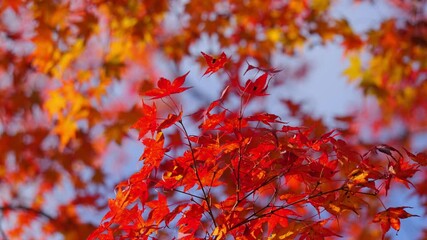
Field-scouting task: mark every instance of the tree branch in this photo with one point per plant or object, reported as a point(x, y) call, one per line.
point(249, 219)
point(26, 209)
point(205, 196)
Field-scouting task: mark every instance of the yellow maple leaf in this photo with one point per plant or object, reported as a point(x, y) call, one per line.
point(273, 34)
point(406, 97)
point(354, 70)
point(358, 176)
point(66, 129)
point(220, 231)
point(320, 5)
point(55, 103)
point(66, 58)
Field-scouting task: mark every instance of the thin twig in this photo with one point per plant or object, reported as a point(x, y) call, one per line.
point(205, 196)
point(189, 194)
point(27, 209)
point(249, 219)
point(2, 232)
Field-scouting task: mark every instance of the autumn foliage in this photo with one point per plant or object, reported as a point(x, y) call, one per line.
point(81, 80)
point(247, 174)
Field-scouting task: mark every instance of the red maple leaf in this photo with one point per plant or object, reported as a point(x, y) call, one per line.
point(214, 64)
point(166, 88)
point(154, 151)
point(391, 217)
point(256, 88)
point(170, 120)
point(402, 171)
point(159, 208)
point(265, 118)
point(190, 220)
point(420, 158)
point(148, 121)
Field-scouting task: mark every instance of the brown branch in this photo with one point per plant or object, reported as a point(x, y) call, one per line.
point(2, 232)
point(189, 194)
point(205, 196)
point(257, 188)
point(249, 219)
point(26, 209)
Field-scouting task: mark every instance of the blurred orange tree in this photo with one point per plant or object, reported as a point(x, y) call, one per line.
point(71, 73)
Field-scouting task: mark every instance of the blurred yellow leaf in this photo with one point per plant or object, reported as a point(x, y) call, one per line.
point(358, 176)
point(55, 103)
point(354, 71)
point(406, 97)
point(66, 129)
point(286, 235)
point(320, 5)
point(66, 58)
point(274, 34)
point(334, 208)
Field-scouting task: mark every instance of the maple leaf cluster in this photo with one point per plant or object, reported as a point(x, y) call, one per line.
point(247, 175)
